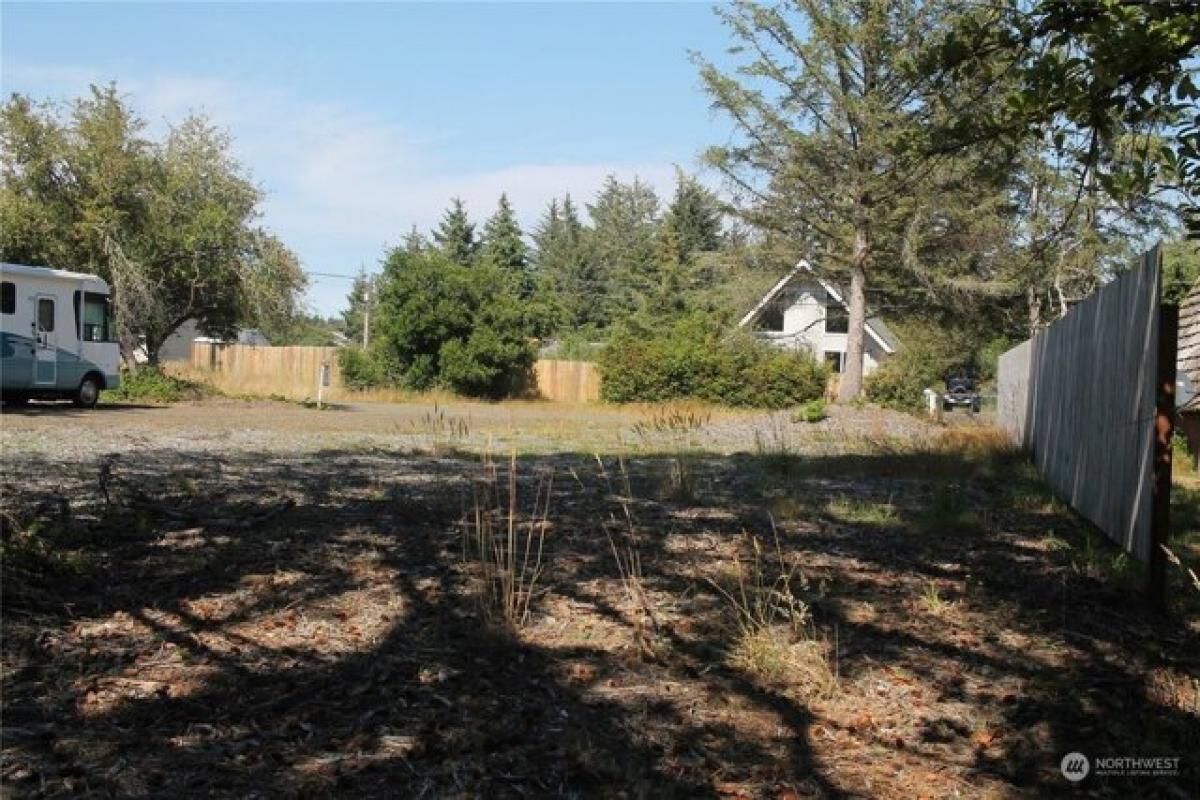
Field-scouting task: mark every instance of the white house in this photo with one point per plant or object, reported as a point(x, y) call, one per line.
point(805, 311)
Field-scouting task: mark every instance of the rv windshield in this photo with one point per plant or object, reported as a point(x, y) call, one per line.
point(96, 325)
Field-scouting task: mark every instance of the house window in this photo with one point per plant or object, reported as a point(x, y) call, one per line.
point(837, 319)
point(8, 298)
point(834, 359)
point(771, 318)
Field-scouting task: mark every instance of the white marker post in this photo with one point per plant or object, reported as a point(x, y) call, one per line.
point(933, 403)
point(322, 382)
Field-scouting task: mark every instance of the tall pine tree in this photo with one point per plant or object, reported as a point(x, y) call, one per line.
point(624, 244)
point(504, 246)
point(832, 117)
point(415, 242)
point(566, 278)
point(693, 217)
point(362, 297)
point(455, 236)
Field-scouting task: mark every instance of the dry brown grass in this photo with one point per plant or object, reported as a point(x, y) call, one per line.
point(775, 638)
point(778, 656)
point(504, 546)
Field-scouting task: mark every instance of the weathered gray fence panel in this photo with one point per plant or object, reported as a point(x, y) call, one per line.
point(1012, 391)
point(1080, 397)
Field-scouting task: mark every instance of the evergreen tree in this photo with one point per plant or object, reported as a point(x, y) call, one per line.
point(834, 119)
point(674, 275)
point(363, 295)
point(566, 280)
point(442, 323)
point(694, 218)
point(415, 242)
point(456, 235)
point(504, 246)
point(624, 244)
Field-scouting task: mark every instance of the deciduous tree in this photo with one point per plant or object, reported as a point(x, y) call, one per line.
point(170, 225)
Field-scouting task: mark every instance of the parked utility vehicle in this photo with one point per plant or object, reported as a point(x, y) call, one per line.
point(56, 337)
point(961, 390)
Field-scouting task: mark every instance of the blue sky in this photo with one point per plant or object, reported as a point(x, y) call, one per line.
point(360, 120)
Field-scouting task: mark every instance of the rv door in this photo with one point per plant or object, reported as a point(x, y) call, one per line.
point(45, 344)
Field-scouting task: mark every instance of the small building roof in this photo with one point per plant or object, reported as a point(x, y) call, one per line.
point(876, 328)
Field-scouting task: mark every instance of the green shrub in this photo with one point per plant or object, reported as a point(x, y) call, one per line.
point(927, 354)
point(579, 345)
point(989, 357)
point(812, 411)
point(368, 368)
point(441, 323)
point(150, 384)
point(900, 381)
point(688, 359)
point(780, 379)
point(493, 362)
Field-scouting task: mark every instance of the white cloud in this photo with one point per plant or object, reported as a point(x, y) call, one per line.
point(339, 179)
point(350, 174)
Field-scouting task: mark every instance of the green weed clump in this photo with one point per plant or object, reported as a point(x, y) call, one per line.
point(152, 385)
point(812, 411)
point(863, 512)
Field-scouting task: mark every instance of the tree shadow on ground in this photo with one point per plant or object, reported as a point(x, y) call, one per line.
point(236, 624)
point(68, 410)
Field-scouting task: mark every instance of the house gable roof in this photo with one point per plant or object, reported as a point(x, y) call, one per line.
point(876, 328)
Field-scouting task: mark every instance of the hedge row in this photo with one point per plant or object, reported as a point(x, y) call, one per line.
point(691, 359)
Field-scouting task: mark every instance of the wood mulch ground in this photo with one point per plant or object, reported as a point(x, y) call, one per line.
point(205, 622)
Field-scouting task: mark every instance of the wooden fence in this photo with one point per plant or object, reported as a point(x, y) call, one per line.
point(293, 372)
point(567, 381)
point(1080, 396)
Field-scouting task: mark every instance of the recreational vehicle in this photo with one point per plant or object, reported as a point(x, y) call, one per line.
point(56, 337)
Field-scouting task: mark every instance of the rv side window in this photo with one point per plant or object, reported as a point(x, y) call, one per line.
point(96, 326)
point(45, 315)
point(8, 297)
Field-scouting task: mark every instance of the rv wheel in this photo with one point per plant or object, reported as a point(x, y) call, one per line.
point(88, 392)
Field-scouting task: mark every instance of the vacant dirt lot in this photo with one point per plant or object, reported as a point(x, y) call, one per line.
point(257, 599)
point(224, 425)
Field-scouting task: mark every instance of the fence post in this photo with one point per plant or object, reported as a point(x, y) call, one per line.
point(1164, 428)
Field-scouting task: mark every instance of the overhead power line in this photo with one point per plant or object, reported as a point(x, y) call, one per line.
point(332, 275)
